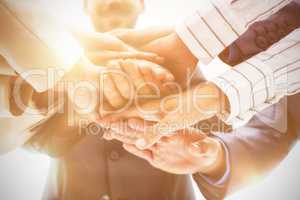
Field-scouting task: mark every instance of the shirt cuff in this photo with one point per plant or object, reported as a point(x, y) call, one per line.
point(249, 88)
point(214, 69)
point(209, 31)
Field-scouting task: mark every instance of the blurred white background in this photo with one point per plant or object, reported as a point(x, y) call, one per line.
point(23, 174)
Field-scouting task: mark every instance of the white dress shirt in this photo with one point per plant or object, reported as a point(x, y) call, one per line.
point(256, 83)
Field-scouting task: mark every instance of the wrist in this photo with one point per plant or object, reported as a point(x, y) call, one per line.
point(222, 102)
point(217, 167)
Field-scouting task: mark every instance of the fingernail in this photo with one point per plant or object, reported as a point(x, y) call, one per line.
point(159, 59)
point(94, 117)
point(170, 77)
point(141, 144)
point(199, 147)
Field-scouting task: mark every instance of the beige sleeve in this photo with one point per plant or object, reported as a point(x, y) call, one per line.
point(36, 46)
point(5, 94)
point(19, 113)
point(14, 122)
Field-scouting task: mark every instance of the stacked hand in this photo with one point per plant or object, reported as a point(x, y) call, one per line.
point(113, 75)
point(169, 143)
point(184, 152)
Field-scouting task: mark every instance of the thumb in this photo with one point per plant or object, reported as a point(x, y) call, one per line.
point(150, 138)
point(208, 147)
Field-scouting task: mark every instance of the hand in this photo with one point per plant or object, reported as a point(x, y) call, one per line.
point(165, 43)
point(118, 76)
point(176, 112)
point(100, 48)
point(140, 37)
point(117, 85)
point(178, 58)
point(184, 152)
point(263, 34)
point(128, 80)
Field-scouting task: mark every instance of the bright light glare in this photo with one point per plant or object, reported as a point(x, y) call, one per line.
point(26, 173)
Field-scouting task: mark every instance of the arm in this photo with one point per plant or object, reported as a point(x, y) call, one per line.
point(139, 38)
point(213, 27)
point(251, 152)
point(262, 80)
point(32, 42)
point(57, 135)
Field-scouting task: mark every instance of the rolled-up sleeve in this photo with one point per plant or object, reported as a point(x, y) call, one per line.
point(210, 29)
point(36, 46)
point(217, 23)
point(249, 87)
point(252, 85)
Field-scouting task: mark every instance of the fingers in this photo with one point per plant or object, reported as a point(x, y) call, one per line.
point(144, 154)
point(121, 79)
point(132, 69)
point(209, 154)
point(139, 124)
point(169, 125)
point(149, 111)
point(140, 77)
point(149, 139)
point(154, 110)
point(108, 135)
point(138, 38)
point(148, 56)
point(148, 78)
point(95, 41)
point(195, 133)
point(128, 113)
point(102, 57)
point(105, 109)
point(156, 77)
point(120, 130)
point(111, 92)
point(111, 135)
point(195, 105)
point(178, 121)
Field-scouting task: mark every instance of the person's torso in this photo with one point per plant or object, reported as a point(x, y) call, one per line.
point(99, 170)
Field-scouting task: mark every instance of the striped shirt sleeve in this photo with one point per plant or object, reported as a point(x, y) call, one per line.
point(208, 31)
point(262, 80)
point(250, 86)
point(218, 23)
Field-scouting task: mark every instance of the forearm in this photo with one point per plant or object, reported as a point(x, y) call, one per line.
point(172, 48)
point(35, 52)
point(139, 37)
point(15, 131)
point(250, 153)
